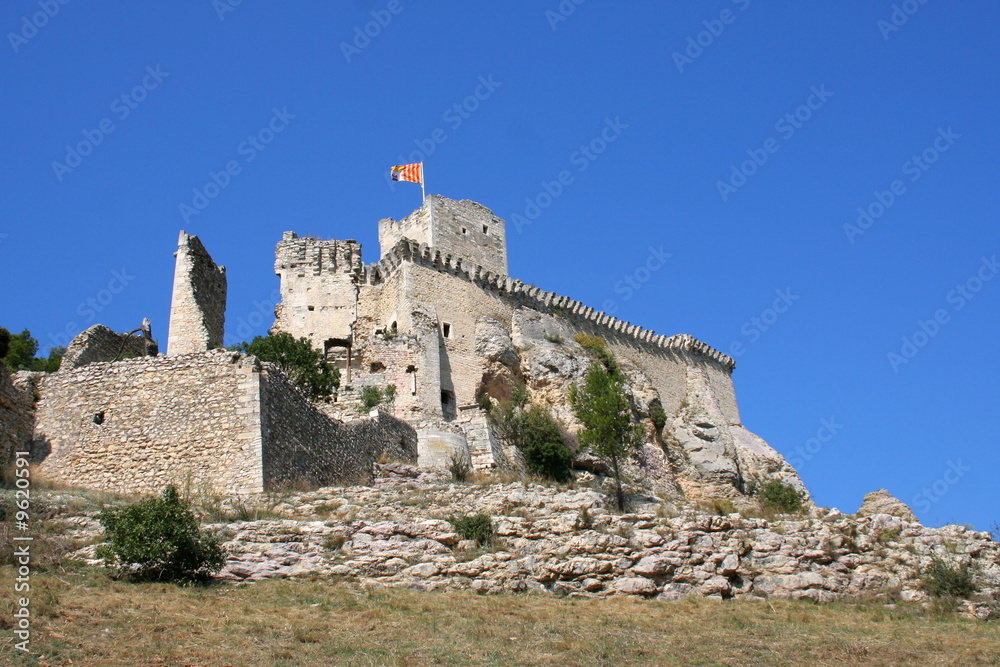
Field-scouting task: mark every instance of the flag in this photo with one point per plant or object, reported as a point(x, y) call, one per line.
point(412, 173)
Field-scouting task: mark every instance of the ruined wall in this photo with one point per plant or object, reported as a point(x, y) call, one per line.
point(303, 445)
point(464, 229)
point(198, 304)
point(190, 418)
point(100, 343)
point(319, 292)
point(16, 412)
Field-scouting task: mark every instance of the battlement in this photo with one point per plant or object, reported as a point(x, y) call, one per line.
point(462, 228)
point(536, 298)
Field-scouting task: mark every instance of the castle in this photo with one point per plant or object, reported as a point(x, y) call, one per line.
point(437, 316)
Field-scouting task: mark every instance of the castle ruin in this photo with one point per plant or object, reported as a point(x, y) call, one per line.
point(437, 316)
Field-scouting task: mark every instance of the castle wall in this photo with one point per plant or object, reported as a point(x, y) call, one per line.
point(319, 292)
point(303, 445)
point(198, 303)
point(458, 304)
point(16, 412)
point(99, 343)
point(185, 419)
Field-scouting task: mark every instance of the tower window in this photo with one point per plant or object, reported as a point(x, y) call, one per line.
point(311, 308)
point(446, 330)
point(486, 229)
point(464, 230)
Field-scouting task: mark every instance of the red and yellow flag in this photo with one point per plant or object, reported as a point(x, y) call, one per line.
point(411, 173)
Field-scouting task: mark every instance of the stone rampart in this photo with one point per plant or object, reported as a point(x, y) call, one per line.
point(533, 297)
point(215, 419)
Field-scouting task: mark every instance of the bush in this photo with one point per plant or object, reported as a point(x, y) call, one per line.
point(554, 338)
point(544, 451)
point(372, 397)
point(948, 581)
point(459, 468)
point(776, 495)
point(485, 404)
point(159, 539)
point(478, 527)
point(657, 415)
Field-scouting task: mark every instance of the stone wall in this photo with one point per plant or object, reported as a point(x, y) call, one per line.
point(99, 343)
point(16, 411)
point(302, 445)
point(140, 424)
point(198, 304)
point(215, 419)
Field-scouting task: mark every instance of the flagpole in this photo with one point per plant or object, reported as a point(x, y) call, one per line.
point(422, 192)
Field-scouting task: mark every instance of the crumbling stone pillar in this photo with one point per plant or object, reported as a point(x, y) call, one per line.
point(198, 305)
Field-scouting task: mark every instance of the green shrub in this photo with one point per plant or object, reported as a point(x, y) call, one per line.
point(948, 581)
point(485, 404)
point(657, 415)
point(159, 539)
point(459, 468)
point(545, 452)
point(478, 527)
point(554, 338)
point(782, 497)
point(372, 397)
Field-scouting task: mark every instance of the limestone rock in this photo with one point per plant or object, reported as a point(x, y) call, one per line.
point(882, 502)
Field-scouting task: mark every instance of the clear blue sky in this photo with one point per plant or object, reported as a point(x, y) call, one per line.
point(865, 98)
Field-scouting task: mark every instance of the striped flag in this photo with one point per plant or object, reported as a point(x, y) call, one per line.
point(411, 173)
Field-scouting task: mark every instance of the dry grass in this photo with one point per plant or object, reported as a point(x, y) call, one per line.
point(81, 617)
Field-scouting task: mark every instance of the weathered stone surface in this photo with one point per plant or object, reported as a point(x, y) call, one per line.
point(198, 304)
point(16, 411)
point(100, 343)
point(216, 418)
point(882, 502)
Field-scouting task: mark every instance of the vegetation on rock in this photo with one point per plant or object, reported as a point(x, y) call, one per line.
point(533, 430)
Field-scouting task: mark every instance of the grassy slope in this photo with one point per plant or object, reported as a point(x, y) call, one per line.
point(84, 618)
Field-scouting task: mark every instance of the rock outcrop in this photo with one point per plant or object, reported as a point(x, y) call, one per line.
point(882, 502)
point(567, 542)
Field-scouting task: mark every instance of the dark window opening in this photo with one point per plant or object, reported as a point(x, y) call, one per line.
point(486, 230)
point(446, 329)
point(376, 366)
point(99, 418)
point(312, 307)
point(464, 230)
point(447, 404)
point(411, 369)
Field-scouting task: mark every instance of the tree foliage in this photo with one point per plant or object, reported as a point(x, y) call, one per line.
point(18, 352)
point(776, 495)
point(604, 408)
point(304, 366)
point(159, 539)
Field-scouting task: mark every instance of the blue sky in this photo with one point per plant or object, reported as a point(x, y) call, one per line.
point(739, 137)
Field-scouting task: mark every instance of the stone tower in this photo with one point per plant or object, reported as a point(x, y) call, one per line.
point(464, 229)
point(198, 304)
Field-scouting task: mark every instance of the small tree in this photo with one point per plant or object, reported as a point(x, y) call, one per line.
point(776, 495)
point(18, 352)
point(159, 539)
point(304, 366)
point(603, 407)
point(372, 397)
